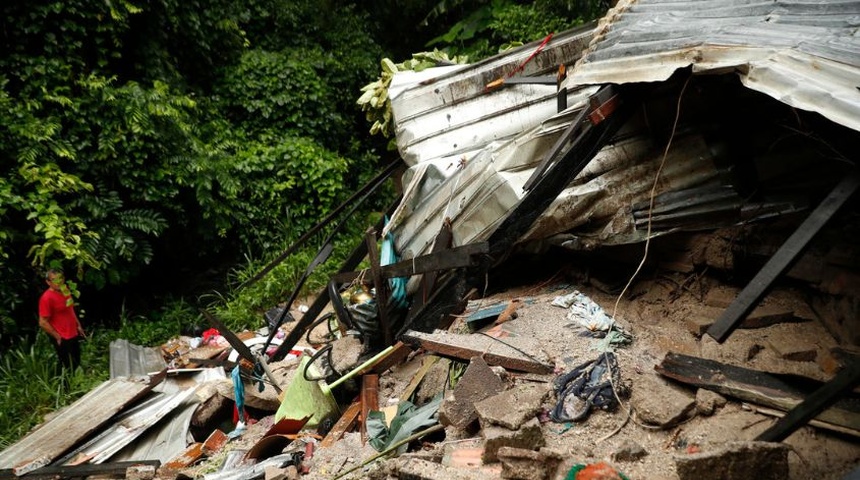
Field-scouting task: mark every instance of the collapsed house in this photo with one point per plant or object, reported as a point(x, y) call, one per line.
point(711, 140)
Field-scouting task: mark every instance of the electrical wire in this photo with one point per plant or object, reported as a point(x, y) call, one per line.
point(630, 412)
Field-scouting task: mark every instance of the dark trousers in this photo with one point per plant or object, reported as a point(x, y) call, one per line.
point(69, 353)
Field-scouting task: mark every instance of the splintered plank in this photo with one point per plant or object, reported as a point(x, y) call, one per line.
point(343, 425)
point(512, 353)
point(428, 363)
point(815, 403)
point(782, 392)
point(369, 400)
point(63, 431)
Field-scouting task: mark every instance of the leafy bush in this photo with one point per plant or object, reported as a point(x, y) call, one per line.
point(30, 387)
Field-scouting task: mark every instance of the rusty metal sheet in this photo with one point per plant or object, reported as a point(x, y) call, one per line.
point(73, 423)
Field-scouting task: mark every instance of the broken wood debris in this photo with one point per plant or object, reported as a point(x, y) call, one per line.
point(792, 247)
point(343, 425)
point(776, 391)
point(493, 351)
point(80, 471)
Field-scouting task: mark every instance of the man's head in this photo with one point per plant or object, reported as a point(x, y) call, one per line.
point(55, 279)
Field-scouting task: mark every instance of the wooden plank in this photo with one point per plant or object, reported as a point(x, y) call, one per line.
point(814, 404)
point(772, 412)
point(577, 153)
point(343, 425)
point(782, 392)
point(494, 352)
point(462, 256)
point(81, 471)
point(63, 431)
point(396, 356)
point(783, 258)
point(369, 401)
point(428, 363)
point(380, 284)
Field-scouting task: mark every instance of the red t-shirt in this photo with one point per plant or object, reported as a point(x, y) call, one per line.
point(60, 312)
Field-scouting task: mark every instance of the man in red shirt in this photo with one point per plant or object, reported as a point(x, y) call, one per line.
point(57, 318)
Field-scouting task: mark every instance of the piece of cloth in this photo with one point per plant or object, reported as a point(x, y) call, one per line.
point(59, 309)
point(586, 386)
point(69, 352)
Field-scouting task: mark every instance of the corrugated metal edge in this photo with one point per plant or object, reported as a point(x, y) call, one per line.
point(799, 79)
point(128, 359)
point(128, 427)
point(52, 438)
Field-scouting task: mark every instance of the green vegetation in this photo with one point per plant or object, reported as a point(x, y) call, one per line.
point(164, 151)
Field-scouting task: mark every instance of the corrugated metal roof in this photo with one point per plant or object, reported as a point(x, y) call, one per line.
point(127, 428)
point(455, 113)
point(71, 424)
point(803, 53)
point(128, 359)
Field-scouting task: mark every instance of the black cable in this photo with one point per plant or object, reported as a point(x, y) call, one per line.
point(327, 349)
point(510, 346)
point(310, 329)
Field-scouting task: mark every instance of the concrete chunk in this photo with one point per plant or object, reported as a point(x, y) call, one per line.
point(758, 460)
point(529, 436)
point(418, 469)
point(525, 464)
point(476, 384)
point(790, 348)
point(659, 403)
point(629, 451)
point(513, 407)
point(707, 402)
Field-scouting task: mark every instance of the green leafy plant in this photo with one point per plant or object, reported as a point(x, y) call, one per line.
point(374, 100)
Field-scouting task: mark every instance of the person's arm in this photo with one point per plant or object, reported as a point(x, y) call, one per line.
point(80, 328)
point(50, 330)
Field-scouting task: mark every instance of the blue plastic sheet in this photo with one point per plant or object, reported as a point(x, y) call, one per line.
point(397, 285)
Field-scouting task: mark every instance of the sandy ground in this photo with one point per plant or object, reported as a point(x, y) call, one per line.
point(656, 317)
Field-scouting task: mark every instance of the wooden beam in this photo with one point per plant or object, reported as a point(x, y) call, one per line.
point(428, 362)
point(397, 355)
point(343, 425)
point(464, 347)
point(814, 404)
point(787, 253)
point(783, 392)
point(80, 471)
point(369, 401)
point(380, 284)
point(463, 256)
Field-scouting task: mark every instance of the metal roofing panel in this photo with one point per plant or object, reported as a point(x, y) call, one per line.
point(127, 428)
point(163, 441)
point(51, 439)
point(128, 359)
point(455, 113)
point(803, 53)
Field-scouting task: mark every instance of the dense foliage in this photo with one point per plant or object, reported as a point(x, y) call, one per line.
point(158, 149)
